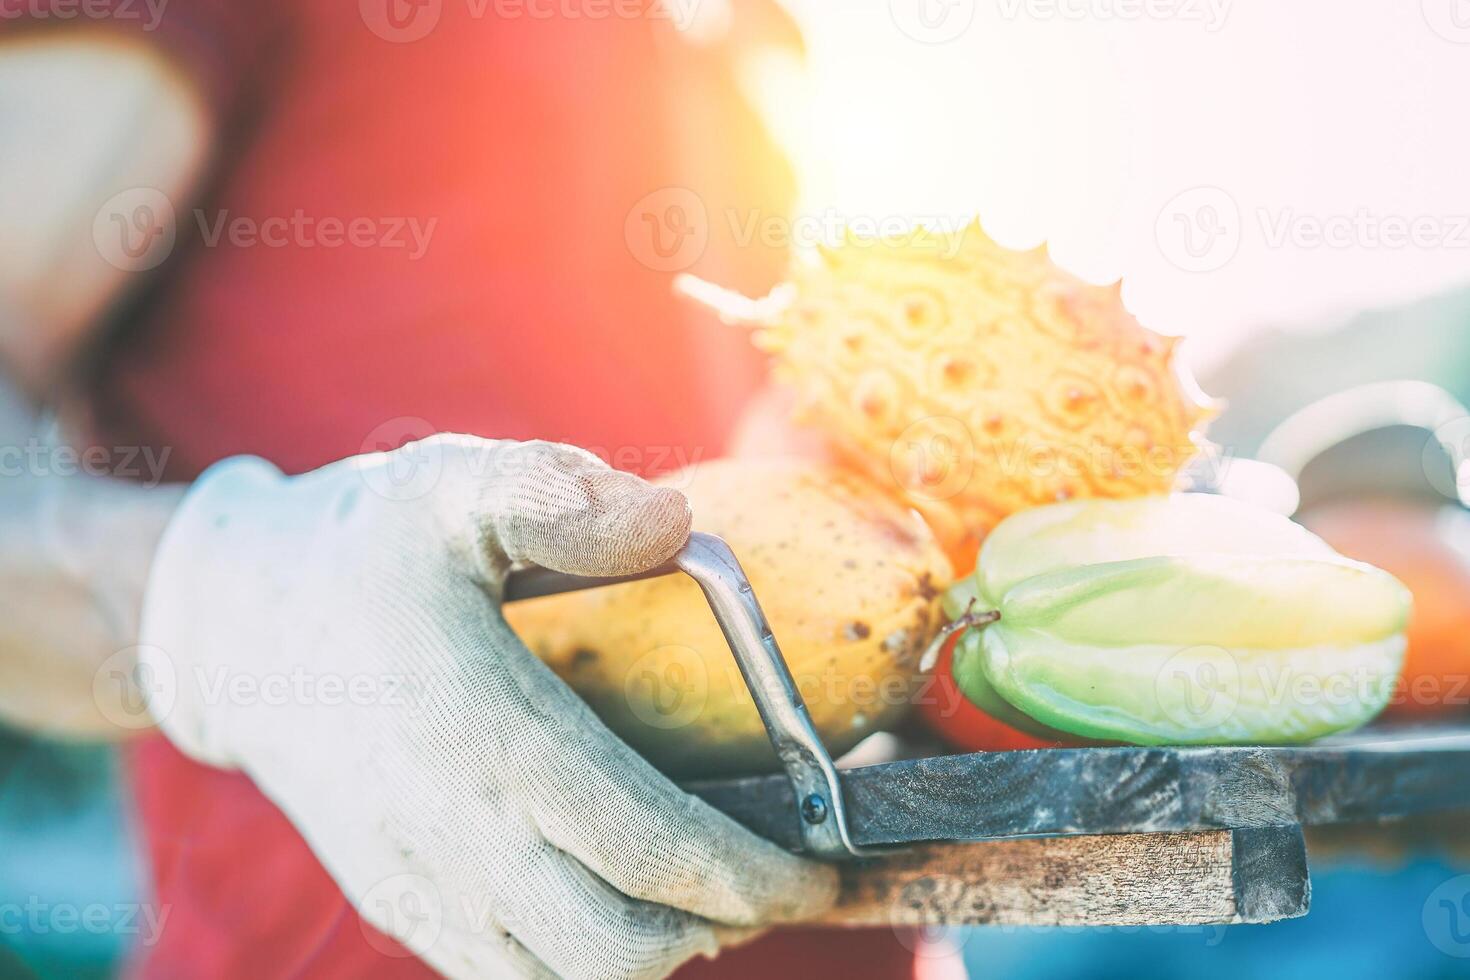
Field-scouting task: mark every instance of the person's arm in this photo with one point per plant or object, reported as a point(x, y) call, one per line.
point(84, 118)
point(72, 571)
point(337, 637)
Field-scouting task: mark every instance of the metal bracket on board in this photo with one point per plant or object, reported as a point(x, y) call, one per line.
point(706, 558)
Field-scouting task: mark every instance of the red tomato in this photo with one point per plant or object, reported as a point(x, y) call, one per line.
point(962, 725)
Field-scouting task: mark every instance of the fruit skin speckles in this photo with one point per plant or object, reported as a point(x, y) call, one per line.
point(1056, 391)
point(849, 578)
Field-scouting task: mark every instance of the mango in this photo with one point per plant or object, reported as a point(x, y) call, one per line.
point(849, 579)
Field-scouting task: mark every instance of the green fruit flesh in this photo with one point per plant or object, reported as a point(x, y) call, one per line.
point(1153, 694)
point(1224, 600)
point(970, 678)
point(1086, 532)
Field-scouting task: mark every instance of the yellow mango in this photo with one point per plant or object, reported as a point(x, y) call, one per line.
point(849, 580)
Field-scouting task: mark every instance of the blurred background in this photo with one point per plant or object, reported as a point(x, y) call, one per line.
point(1087, 124)
point(1283, 184)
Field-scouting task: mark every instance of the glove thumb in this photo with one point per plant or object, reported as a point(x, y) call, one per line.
point(563, 508)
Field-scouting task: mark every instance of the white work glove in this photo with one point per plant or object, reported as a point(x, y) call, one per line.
point(338, 637)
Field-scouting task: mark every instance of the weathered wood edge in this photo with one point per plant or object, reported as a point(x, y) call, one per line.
point(1270, 875)
point(1195, 879)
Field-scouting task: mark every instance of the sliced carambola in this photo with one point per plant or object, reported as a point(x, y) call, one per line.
point(1212, 649)
point(1085, 532)
point(1188, 618)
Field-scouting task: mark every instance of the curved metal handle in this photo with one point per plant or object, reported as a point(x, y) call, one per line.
point(1328, 422)
point(708, 560)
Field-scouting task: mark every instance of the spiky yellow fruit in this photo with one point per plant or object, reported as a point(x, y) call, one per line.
point(976, 380)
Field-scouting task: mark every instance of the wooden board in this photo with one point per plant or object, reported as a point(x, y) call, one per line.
point(1214, 877)
point(1112, 835)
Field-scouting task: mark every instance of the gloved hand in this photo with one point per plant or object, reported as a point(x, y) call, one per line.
point(338, 637)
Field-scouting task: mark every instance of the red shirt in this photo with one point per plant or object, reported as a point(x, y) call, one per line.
point(501, 281)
